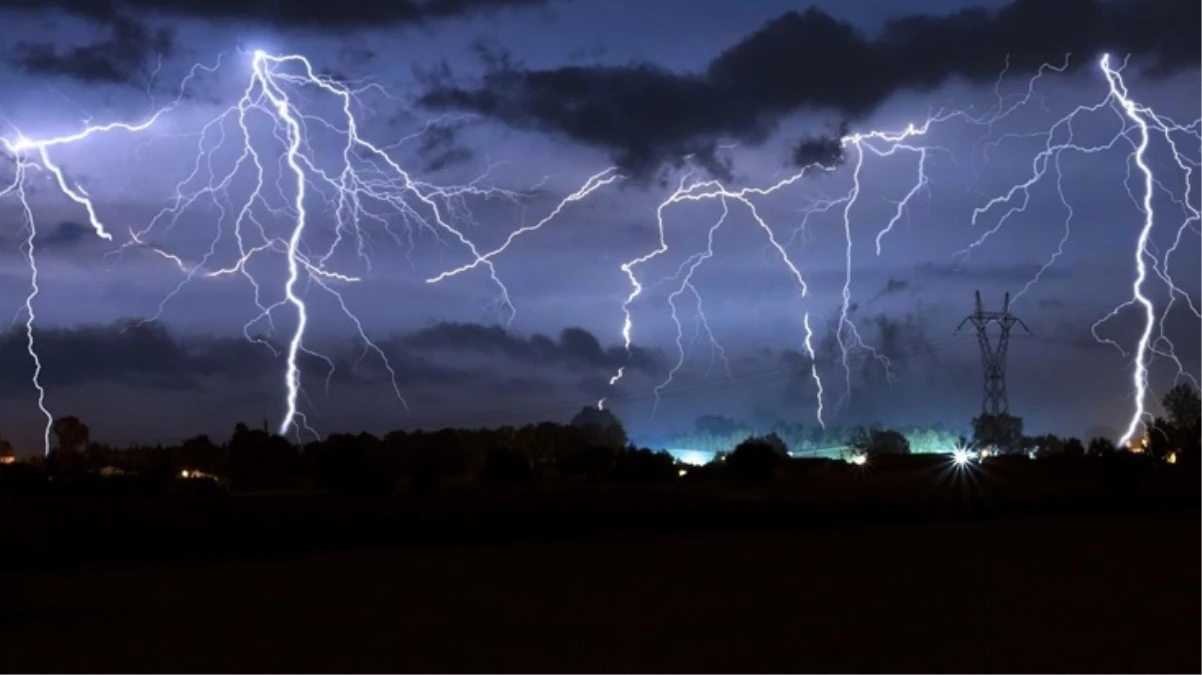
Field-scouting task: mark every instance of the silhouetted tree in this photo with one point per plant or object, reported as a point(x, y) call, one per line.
point(1184, 408)
point(1073, 447)
point(1048, 445)
point(601, 427)
point(6, 451)
point(261, 461)
point(505, 466)
point(1164, 437)
point(589, 461)
point(877, 442)
point(643, 466)
point(345, 464)
point(198, 445)
point(1101, 447)
point(776, 443)
point(72, 434)
point(426, 475)
point(1001, 433)
point(753, 461)
point(1180, 435)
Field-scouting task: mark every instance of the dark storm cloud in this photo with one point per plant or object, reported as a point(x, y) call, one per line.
point(308, 14)
point(576, 347)
point(645, 114)
point(123, 353)
point(132, 43)
point(149, 355)
point(439, 146)
point(891, 287)
point(60, 237)
point(825, 150)
point(64, 235)
point(119, 58)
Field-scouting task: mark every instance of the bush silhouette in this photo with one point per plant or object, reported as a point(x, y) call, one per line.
point(344, 465)
point(428, 472)
point(753, 461)
point(505, 466)
point(643, 466)
point(590, 461)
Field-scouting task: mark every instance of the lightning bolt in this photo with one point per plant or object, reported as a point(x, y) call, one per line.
point(809, 345)
point(367, 179)
point(1147, 121)
point(685, 275)
point(17, 186)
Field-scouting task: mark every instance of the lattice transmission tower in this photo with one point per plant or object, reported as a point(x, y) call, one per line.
point(993, 356)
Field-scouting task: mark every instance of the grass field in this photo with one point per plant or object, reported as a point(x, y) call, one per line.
point(1110, 594)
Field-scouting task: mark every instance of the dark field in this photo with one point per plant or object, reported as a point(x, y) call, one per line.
point(1024, 566)
point(69, 526)
point(1114, 594)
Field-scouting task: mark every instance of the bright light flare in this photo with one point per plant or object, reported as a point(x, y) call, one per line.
point(961, 457)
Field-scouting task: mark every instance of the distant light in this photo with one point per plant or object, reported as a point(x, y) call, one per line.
point(961, 457)
point(859, 460)
point(1171, 458)
point(691, 457)
point(682, 473)
point(183, 474)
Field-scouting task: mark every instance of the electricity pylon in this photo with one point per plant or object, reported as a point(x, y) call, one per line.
point(993, 357)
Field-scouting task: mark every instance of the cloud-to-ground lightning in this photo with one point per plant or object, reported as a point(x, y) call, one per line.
point(1147, 121)
point(17, 186)
point(1140, 373)
point(368, 185)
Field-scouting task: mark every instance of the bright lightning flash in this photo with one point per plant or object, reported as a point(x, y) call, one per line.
point(368, 184)
point(1149, 122)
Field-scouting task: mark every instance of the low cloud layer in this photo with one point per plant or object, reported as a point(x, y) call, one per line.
point(147, 354)
point(120, 57)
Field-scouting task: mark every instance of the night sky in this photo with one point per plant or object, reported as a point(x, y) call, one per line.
point(534, 97)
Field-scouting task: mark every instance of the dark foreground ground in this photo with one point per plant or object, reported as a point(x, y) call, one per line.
point(1114, 593)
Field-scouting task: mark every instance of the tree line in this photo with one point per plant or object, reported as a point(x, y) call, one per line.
point(594, 445)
